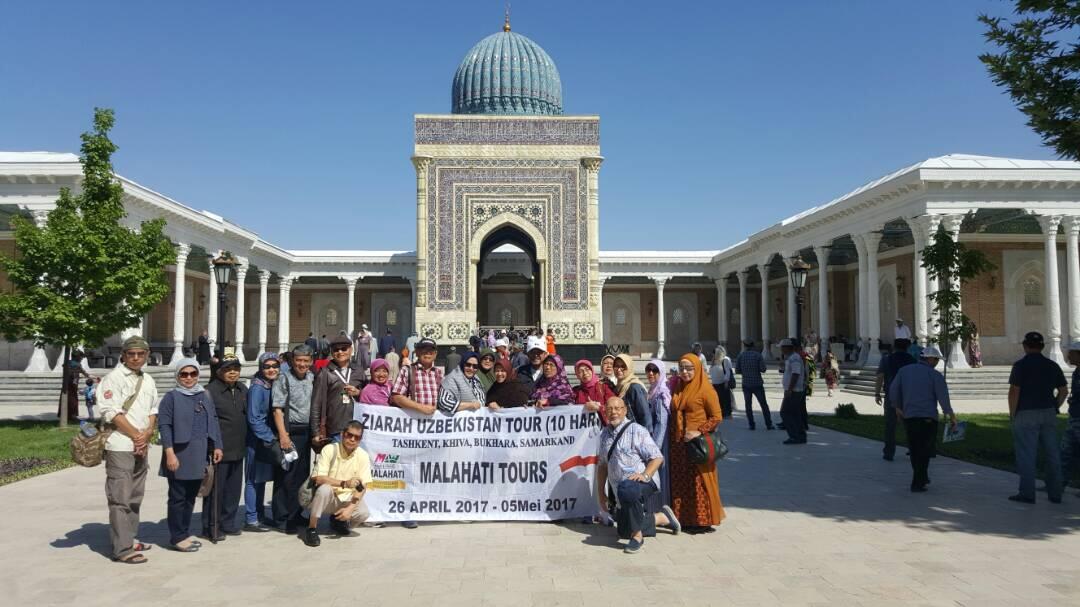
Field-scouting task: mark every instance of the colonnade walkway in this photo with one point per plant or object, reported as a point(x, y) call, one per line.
point(828, 523)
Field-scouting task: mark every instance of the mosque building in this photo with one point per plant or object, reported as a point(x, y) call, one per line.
point(507, 234)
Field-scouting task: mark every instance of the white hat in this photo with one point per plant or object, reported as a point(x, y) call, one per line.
point(363, 326)
point(931, 352)
point(899, 320)
point(1075, 345)
point(787, 343)
point(502, 342)
point(534, 343)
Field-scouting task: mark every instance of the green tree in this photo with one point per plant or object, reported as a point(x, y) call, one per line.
point(84, 276)
point(952, 264)
point(1040, 67)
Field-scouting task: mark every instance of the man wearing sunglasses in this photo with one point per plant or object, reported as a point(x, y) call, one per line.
point(336, 389)
point(341, 476)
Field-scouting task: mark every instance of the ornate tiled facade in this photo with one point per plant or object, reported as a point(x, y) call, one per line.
point(461, 130)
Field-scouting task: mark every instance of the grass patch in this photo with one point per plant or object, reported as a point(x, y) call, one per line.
point(988, 442)
point(32, 447)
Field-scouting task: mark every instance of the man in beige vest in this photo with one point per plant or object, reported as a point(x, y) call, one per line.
point(128, 400)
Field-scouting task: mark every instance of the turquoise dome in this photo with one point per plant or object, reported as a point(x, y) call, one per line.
point(506, 73)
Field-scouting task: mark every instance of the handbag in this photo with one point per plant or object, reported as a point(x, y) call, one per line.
point(731, 374)
point(307, 490)
point(207, 484)
point(706, 448)
point(269, 452)
point(88, 450)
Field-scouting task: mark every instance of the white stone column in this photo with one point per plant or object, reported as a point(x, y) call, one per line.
point(212, 309)
point(241, 274)
point(823, 329)
point(861, 304)
point(744, 330)
point(1049, 224)
point(182, 251)
point(39, 360)
point(284, 286)
point(871, 241)
point(957, 359)
point(721, 311)
point(592, 173)
point(763, 270)
point(1072, 263)
point(921, 233)
point(350, 284)
point(264, 282)
point(660, 282)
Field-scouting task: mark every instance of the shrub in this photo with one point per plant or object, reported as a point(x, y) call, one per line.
point(846, 411)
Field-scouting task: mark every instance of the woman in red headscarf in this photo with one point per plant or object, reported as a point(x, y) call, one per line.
point(695, 410)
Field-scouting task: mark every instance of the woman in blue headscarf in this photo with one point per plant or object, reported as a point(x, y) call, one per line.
point(659, 399)
point(259, 467)
point(189, 430)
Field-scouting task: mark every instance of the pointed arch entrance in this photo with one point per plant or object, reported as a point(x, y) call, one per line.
point(508, 278)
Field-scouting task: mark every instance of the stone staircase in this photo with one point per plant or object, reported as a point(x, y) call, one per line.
point(986, 383)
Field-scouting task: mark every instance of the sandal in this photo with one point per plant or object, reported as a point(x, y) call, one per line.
point(188, 548)
point(132, 559)
point(141, 547)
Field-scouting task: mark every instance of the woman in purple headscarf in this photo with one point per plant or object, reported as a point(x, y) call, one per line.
point(552, 388)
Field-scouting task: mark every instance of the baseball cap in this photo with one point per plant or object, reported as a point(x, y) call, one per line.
point(534, 343)
point(340, 340)
point(425, 344)
point(1033, 338)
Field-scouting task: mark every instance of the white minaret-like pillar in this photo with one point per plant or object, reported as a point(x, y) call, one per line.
point(1072, 262)
point(721, 311)
point(660, 282)
point(39, 360)
point(744, 330)
point(284, 286)
point(350, 285)
point(871, 241)
point(212, 309)
point(763, 270)
point(957, 359)
point(182, 251)
point(862, 314)
point(822, 254)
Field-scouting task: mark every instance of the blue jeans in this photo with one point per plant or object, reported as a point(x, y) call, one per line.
point(1032, 428)
point(748, 401)
point(254, 493)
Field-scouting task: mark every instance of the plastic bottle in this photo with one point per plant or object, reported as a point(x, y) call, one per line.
point(87, 429)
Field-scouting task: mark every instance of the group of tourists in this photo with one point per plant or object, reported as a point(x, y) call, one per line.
point(224, 441)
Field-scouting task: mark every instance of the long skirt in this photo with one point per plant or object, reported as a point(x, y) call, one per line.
point(695, 491)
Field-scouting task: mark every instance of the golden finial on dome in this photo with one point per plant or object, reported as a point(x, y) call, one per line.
point(506, 24)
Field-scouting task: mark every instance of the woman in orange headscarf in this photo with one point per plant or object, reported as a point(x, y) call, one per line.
point(695, 409)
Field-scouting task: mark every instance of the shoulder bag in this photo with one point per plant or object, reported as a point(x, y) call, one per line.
point(730, 373)
point(307, 490)
point(706, 448)
point(89, 451)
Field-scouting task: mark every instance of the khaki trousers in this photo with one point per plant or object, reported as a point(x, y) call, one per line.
point(325, 501)
point(125, 480)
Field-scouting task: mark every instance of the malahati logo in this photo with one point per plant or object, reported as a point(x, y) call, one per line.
point(384, 458)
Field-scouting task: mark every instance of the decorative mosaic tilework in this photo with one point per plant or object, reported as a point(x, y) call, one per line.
point(550, 194)
point(585, 131)
point(458, 331)
point(584, 330)
point(560, 330)
point(431, 331)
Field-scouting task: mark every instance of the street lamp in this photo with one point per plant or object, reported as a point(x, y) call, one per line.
point(800, 270)
point(223, 269)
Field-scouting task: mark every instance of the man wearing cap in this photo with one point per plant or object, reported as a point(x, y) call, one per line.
point(1037, 388)
point(333, 394)
point(902, 331)
point(536, 350)
point(751, 365)
point(889, 366)
point(502, 348)
point(915, 394)
point(417, 387)
point(230, 400)
point(793, 407)
point(1070, 441)
point(128, 400)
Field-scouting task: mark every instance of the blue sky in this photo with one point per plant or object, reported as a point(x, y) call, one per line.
point(294, 119)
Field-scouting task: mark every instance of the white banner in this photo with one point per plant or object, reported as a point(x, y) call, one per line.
point(512, 464)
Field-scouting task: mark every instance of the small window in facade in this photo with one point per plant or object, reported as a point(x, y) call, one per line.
point(1033, 292)
point(391, 317)
point(506, 317)
point(620, 316)
point(678, 316)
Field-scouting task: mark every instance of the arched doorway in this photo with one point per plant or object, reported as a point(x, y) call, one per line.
point(507, 280)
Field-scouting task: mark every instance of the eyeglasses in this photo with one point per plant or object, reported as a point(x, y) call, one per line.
point(470, 366)
point(352, 436)
point(340, 348)
point(136, 353)
point(268, 367)
point(187, 374)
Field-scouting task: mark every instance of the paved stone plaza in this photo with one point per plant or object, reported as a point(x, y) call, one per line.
point(829, 523)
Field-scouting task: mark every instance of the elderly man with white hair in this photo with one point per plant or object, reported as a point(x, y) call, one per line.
point(915, 393)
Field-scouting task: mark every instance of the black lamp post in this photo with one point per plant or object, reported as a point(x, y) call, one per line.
point(800, 270)
point(223, 269)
